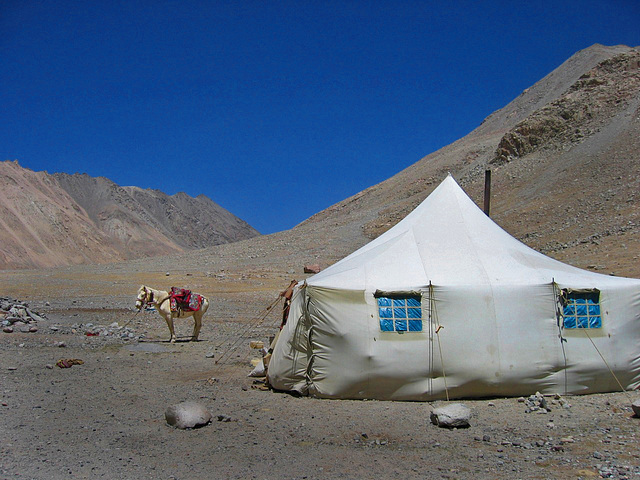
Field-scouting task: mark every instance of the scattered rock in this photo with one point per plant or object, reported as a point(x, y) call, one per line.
point(314, 268)
point(635, 406)
point(187, 415)
point(536, 403)
point(16, 313)
point(455, 415)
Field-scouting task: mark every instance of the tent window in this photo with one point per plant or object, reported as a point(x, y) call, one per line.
point(400, 314)
point(582, 310)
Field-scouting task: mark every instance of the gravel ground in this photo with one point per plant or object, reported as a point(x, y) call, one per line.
point(105, 417)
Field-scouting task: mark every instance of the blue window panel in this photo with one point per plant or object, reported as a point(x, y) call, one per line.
point(569, 322)
point(384, 302)
point(583, 322)
point(595, 322)
point(415, 325)
point(569, 310)
point(400, 314)
point(581, 309)
point(594, 310)
point(413, 302)
point(386, 325)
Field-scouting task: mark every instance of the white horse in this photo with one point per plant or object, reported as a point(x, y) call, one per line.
point(159, 299)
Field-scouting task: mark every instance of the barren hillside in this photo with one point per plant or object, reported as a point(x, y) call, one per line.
point(50, 220)
point(565, 164)
point(564, 156)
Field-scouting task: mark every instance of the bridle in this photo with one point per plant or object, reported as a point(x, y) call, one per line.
point(146, 299)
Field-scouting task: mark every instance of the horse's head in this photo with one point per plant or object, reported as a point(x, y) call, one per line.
point(143, 297)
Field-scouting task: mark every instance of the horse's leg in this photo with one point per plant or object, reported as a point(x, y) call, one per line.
point(197, 317)
point(169, 319)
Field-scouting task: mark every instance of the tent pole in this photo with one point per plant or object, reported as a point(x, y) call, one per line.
point(487, 191)
point(559, 316)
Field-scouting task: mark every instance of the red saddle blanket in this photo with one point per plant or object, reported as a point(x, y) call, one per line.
point(184, 300)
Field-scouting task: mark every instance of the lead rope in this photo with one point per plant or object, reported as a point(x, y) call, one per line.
point(132, 318)
point(439, 327)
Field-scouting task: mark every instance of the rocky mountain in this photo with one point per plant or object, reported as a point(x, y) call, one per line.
point(565, 162)
point(60, 219)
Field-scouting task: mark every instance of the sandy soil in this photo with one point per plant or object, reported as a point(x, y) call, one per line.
point(105, 418)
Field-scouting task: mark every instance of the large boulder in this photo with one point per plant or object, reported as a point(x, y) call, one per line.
point(454, 415)
point(187, 415)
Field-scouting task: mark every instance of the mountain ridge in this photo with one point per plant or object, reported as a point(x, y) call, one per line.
point(573, 198)
point(60, 219)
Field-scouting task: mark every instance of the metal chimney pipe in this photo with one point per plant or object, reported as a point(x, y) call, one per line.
point(487, 192)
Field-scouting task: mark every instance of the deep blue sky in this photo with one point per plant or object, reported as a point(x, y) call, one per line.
point(274, 109)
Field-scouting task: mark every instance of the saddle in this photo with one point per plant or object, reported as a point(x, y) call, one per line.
point(183, 300)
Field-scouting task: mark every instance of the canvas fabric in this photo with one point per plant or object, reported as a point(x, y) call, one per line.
point(492, 300)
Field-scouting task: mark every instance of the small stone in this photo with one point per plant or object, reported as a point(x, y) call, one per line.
point(48, 366)
point(187, 415)
point(33, 329)
point(454, 415)
point(7, 330)
point(224, 418)
point(635, 406)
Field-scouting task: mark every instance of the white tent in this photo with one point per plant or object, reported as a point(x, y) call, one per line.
point(446, 302)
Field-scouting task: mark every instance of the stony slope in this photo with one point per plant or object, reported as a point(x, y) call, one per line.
point(121, 211)
point(573, 195)
point(50, 220)
point(41, 225)
point(569, 191)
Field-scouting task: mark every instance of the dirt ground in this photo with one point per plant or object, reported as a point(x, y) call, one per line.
point(105, 418)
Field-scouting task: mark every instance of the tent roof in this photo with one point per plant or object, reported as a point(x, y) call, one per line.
point(448, 240)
